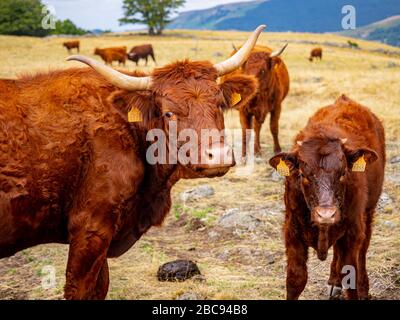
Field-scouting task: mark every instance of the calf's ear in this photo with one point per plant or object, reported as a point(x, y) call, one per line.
point(238, 90)
point(136, 107)
point(284, 163)
point(358, 159)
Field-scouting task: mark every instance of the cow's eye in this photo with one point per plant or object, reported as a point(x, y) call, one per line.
point(169, 114)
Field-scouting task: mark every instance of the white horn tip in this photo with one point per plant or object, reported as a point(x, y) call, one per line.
point(261, 27)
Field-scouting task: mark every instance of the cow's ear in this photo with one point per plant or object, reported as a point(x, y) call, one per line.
point(136, 107)
point(284, 163)
point(359, 159)
point(238, 90)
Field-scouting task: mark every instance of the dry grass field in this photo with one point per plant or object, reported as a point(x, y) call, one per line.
point(237, 264)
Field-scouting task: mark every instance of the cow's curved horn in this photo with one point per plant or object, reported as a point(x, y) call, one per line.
point(241, 55)
point(277, 53)
point(115, 77)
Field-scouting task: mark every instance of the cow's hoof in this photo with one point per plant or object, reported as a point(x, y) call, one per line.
point(334, 292)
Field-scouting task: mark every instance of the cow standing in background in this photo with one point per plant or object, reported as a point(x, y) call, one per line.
point(334, 180)
point(315, 53)
point(72, 45)
point(141, 52)
point(74, 167)
point(273, 82)
point(112, 54)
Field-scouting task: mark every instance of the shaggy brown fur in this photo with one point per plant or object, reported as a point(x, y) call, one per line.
point(321, 178)
point(73, 169)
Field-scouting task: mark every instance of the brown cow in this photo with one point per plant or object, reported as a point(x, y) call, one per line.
point(315, 53)
point(141, 52)
point(273, 79)
point(112, 54)
point(334, 179)
point(74, 170)
point(72, 45)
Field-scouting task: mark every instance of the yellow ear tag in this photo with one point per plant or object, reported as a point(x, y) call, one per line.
point(236, 98)
point(283, 169)
point(359, 165)
point(134, 115)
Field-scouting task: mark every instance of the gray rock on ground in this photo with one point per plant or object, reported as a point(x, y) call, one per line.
point(200, 192)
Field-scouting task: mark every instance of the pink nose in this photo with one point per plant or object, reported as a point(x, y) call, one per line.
point(325, 215)
point(219, 156)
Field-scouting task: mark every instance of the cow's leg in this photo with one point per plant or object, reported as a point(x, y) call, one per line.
point(257, 130)
point(101, 288)
point(349, 248)
point(363, 281)
point(334, 282)
point(245, 122)
point(296, 277)
point(147, 60)
point(86, 259)
point(154, 59)
point(274, 127)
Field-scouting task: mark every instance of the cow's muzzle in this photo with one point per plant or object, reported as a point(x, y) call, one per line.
point(326, 215)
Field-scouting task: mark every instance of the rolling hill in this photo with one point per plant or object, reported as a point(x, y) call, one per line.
point(286, 15)
point(386, 31)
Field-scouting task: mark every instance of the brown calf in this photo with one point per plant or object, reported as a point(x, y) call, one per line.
point(72, 45)
point(273, 80)
point(74, 167)
point(112, 54)
point(315, 53)
point(334, 179)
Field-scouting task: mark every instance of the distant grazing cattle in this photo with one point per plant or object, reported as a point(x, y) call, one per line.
point(334, 180)
point(141, 52)
point(74, 166)
point(72, 45)
point(315, 53)
point(112, 54)
point(273, 79)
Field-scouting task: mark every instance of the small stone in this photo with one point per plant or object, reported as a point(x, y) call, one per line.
point(395, 159)
point(270, 259)
point(389, 224)
point(384, 201)
point(213, 235)
point(189, 296)
point(234, 218)
point(197, 193)
point(224, 255)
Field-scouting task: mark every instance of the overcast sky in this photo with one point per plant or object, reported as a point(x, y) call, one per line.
point(104, 14)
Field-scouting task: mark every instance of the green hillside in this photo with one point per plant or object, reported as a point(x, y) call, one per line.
point(386, 31)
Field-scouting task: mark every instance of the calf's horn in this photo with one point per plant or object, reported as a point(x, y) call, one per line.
point(115, 77)
point(277, 53)
point(241, 55)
